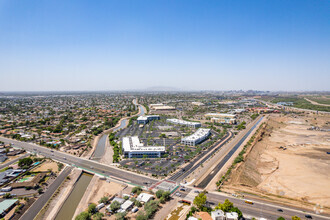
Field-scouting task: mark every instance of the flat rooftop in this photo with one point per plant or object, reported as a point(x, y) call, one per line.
point(133, 144)
point(182, 122)
point(221, 115)
point(201, 132)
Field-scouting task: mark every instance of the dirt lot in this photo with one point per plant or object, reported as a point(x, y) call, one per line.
point(96, 189)
point(289, 161)
point(46, 166)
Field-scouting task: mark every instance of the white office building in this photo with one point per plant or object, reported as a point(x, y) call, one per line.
point(133, 148)
point(184, 123)
point(199, 136)
point(147, 118)
point(220, 115)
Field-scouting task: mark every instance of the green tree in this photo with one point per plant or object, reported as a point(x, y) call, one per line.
point(115, 206)
point(83, 216)
point(25, 162)
point(200, 200)
point(295, 218)
point(280, 218)
point(137, 203)
point(60, 166)
point(141, 216)
point(104, 199)
point(7, 196)
point(235, 209)
point(137, 190)
point(98, 216)
point(92, 208)
point(159, 193)
point(151, 207)
point(162, 200)
point(226, 206)
point(166, 195)
point(121, 216)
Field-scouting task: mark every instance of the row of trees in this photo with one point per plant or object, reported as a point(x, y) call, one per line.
point(91, 213)
point(241, 126)
point(117, 151)
point(201, 200)
point(238, 159)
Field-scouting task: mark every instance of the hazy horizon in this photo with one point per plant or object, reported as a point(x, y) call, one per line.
point(187, 45)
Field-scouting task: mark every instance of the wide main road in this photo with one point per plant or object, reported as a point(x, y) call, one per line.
point(222, 162)
point(197, 161)
point(262, 209)
point(85, 164)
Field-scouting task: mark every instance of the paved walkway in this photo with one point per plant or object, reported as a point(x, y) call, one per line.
point(43, 199)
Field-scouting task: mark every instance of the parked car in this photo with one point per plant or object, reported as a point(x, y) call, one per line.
point(178, 194)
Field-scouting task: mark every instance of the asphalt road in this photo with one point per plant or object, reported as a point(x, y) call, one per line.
point(263, 210)
point(193, 165)
point(222, 162)
point(88, 165)
point(257, 209)
point(42, 200)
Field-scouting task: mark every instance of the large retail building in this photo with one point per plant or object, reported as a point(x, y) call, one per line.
point(133, 148)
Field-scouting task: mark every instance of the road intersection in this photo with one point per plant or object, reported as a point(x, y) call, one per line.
point(263, 209)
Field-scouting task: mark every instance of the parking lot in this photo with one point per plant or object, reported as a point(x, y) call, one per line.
point(161, 133)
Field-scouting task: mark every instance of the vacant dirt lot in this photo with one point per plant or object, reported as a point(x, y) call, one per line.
point(48, 165)
point(289, 161)
point(96, 189)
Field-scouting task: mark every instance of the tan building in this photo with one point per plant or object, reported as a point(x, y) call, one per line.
point(222, 118)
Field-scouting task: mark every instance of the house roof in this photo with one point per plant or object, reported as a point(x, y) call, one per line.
point(4, 205)
point(144, 197)
point(204, 215)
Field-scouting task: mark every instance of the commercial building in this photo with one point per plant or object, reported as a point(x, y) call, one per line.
point(220, 115)
point(222, 118)
point(184, 123)
point(197, 103)
point(147, 118)
point(161, 107)
point(239, 110)
point(261, 110)
point(230, 121)
point(199, 136)
point(133, 148)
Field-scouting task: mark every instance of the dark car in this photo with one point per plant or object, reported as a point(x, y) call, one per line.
point(280, 210)
point(308, 216)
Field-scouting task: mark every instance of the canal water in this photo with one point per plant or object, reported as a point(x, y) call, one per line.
point(100, 147)
point(71, 203)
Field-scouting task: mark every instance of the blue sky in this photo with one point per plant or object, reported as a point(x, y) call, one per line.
point(190, 45)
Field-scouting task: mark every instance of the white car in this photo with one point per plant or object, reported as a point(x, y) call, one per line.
point(178, 194)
